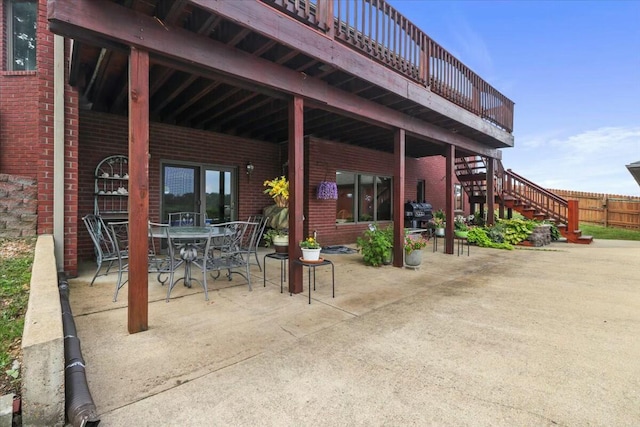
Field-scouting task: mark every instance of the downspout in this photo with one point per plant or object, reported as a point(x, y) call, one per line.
point(79, 406)
point(58, 150)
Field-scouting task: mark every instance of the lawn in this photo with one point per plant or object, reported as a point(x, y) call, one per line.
point(609, 233)
point(16, 259)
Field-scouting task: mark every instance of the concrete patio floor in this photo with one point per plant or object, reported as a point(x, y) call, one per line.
point(526, 337)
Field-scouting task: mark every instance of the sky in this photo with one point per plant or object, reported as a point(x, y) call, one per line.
point(573, 70)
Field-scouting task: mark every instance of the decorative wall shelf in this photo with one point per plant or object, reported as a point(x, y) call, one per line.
point(111, 191)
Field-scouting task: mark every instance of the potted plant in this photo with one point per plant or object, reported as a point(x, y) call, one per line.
point(413, 245)
point(461, 228)
point(438, 220)
point(310, 249)
point(376, 245)
point(278, 237)
point(278, 213)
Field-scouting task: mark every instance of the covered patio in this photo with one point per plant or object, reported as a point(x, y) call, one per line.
point(515, 339)
point(266, 84)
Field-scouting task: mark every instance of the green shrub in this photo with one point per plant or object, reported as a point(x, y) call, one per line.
point(517, 230)
point(480, 236)
point(376, 244)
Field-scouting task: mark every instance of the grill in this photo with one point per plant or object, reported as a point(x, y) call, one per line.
point(416, 213)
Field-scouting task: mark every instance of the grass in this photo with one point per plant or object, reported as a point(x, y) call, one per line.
point(609, 233)
point(15, 276)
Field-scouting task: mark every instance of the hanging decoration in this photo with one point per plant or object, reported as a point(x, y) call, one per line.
point(327, 190)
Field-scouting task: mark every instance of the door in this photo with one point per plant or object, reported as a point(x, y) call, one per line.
point(209, 190)
point(181, 190)
point(220, 202)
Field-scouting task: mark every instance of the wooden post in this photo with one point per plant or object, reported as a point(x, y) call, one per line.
point(325, 17)
point(138, 190)
point(450, 214)
point(491, 197)
point(296, 190)
point(605, 211)
point(398, 196)
point(573, 216)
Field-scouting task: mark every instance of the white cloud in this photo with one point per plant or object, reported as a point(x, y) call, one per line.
point(591, 161)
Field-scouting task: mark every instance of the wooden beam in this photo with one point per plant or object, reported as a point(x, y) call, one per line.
point(398, 196)
point(450, 159)
point(296, 190)
point(273, 24)
point(180, 48)
point(138, 190)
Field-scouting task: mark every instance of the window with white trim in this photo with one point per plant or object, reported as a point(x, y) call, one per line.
point(21, 23)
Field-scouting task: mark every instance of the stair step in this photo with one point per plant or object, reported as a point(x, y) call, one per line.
point(585, 240)
point(472, 177)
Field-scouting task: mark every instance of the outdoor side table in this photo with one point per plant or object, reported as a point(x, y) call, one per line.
point(311, 265)
point(461, 243)
point(283, 257)
point(435, 242)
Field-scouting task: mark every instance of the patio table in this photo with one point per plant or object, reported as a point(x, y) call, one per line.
point(185, 236)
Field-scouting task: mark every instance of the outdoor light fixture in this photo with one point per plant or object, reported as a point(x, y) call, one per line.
point(250, 168)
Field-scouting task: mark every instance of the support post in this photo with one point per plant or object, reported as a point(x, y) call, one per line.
point(398, 196)
point(296, 190)
point(138, 309)
point(450, 214)
point(491, 197)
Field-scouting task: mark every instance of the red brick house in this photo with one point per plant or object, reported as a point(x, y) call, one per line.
point(346, 91)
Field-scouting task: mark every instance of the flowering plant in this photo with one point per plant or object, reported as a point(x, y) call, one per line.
point(310, 243)
point(414, 243)
point(460, 223)
point(327, 190)
point(278, 189)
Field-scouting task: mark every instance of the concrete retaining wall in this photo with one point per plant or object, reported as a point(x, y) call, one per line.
point(43, 399)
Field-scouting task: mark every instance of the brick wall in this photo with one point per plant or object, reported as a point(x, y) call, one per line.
point(324, 158)
point(26, 132)
point(103, 135)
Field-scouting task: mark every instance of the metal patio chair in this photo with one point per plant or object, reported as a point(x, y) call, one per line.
point(229, 253)
point(252, 237)
point(120, 236)
point(105, 248)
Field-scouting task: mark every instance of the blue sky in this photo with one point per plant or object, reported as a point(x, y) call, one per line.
point(573, 70)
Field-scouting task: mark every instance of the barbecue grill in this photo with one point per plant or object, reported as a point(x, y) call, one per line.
point(416, 213)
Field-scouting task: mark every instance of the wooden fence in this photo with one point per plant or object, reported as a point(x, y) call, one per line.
point(608, 210)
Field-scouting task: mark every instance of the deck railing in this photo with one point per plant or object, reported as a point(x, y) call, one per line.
point(552, 205)
point(379, 31)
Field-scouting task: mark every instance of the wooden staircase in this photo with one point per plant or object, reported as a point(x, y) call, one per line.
point(513, 191)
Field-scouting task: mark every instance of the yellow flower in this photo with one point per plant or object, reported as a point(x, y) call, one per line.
point(278, 189)
point(310, 243)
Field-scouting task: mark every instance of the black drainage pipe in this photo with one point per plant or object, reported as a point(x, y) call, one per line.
point(81, 411)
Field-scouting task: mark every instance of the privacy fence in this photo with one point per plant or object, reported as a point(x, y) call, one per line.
point(608, 210)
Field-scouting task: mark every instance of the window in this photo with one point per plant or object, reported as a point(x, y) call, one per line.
point(458, 201)
point(21, 34)
point(420, 191)
point(363, 198)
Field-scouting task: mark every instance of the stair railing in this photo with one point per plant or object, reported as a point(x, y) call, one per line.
point(552, 205)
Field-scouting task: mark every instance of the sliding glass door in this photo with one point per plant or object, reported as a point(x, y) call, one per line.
point(220, 203)
point(209, 190)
